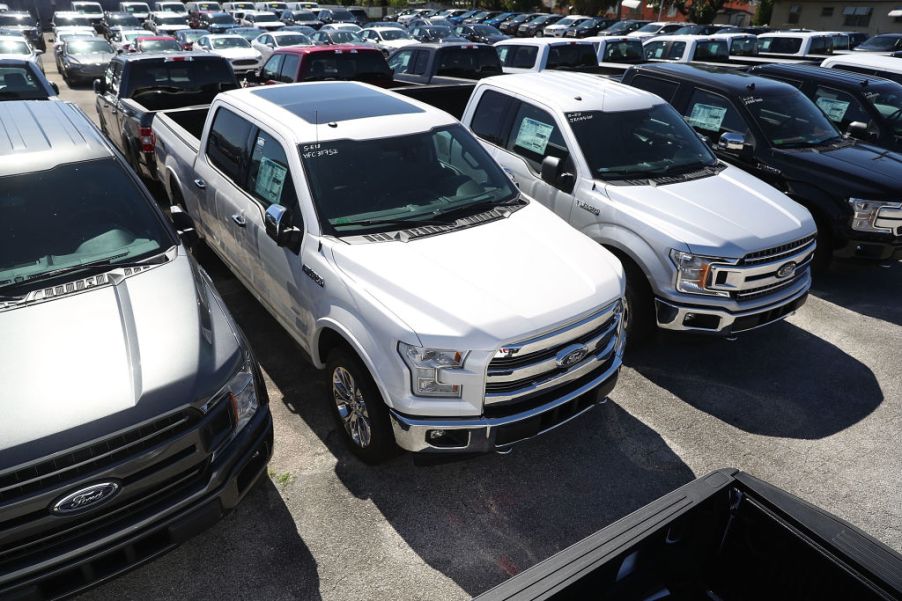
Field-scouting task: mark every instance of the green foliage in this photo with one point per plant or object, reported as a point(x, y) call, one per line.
point(699, 11)
point(591, 7)
point(763, 14)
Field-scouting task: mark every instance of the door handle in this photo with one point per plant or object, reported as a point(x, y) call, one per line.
point(200, 184)
point(239, 220)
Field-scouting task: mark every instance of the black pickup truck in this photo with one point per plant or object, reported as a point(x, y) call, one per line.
point(772, 130)
point(865, 107)
point(726, 536)
point(444, 63)
point(136, 86)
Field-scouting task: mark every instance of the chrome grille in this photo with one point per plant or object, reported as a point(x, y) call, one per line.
point(538, 365)
point(772, 254)
point(244, 62)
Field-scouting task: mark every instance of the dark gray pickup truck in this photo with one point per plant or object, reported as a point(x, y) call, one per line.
point(136, 86)
point(724, 537)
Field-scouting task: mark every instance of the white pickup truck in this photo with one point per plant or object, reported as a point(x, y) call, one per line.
point(453, 313)
point(706, 247)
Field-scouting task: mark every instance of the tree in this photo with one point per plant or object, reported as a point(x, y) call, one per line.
point(762, 15)
point(699, 11)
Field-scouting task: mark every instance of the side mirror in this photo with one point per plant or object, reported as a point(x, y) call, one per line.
point(99, 87)
point(731, 141)
point(184, 225)
point(39, 52)
point(55, 88)
point(276, 221)
point(857, 129)
point(552, 174)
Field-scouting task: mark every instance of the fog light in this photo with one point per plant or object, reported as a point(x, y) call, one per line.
point(436, 434)
point(448, 439)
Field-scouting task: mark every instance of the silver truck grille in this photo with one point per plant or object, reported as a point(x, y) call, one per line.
point(244, 62)
point(890, 218)
point(580, 350)
point(764, 272)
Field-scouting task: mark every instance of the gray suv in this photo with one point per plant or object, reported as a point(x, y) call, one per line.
point(134, 414)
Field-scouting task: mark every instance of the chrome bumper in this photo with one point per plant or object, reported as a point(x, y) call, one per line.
point(716, 321)
point(484, 434)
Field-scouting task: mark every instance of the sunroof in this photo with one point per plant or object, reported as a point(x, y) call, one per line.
point(325, 103)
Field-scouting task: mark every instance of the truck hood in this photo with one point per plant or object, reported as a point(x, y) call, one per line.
point(397, 43)
point(237, 53)
point(726, 215)
point(487, 284)
point(87, 364)
point(857, 169)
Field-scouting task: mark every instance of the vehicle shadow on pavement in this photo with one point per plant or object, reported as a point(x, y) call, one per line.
point(778, 381)
point(253, 553)
point(864, 288)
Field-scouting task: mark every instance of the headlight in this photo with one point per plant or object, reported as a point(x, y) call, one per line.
point(426, 367)
point(692, 272)
point(864, 214)
point(242, 395)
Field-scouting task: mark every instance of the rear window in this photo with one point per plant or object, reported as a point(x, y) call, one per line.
point(13, 20)
point(468, 62)
point(517, 57)
point(779, 45)
point(627, 51)
point(712, 51)
point(20, 83)
point(345, 65)
point(173, 83)
point(572, 55)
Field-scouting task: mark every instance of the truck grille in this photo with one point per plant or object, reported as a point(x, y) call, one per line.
point(772, 254)
point(764, 272)
point(522, 372)
point(155, 464)
point(244, 62)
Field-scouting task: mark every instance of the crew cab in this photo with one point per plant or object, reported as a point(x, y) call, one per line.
point(130, 422)
point(381, 277)
point(443, 63)
point(538, 54)
point(166, 23)
point(317, 63)
point(877, 65)
point(740, 44)
point(795, 43)
point(706, 247)
point(865, 107)
point(686, 49)
point(136, 86)
point(771, 130)
point(138, 9)
point(726, 535)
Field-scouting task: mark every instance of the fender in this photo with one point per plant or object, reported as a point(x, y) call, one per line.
point(633, 246)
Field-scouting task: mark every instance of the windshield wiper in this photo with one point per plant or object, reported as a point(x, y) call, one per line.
point(89, 266)
point(408, 221)
point(479, 206)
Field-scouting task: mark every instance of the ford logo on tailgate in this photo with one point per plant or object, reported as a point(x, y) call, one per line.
point(86, 498)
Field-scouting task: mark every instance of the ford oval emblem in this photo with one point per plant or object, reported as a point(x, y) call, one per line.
point(86, 498)
point(571, 355)
point(787, 270)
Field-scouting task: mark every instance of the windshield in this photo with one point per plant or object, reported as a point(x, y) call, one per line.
point(486, 30)
point(293, 40)
point(779, 45)
point(103, 215)
point(626, 51)
point(173, 7)
point(229, 43)
point(342, 15)
point(568, 21)
point(303, 16)
point(248, 34)
point(126, 20)
point(72, 21)
point(79, 47)
point(16, 20)
point(134, 35)
point(220, 19)
point(173, 20)
point(642, 143)
point(744, 46)
point(193, 35)
point(160, 46)
point(889, 105)
point(89, 8)
point(20, 83)
point(394, 34)
point(14, 47)
point(415, 177)
point(136, 8)
point(650, 28)
point(207, 6)
point(620, 27)
point(438, 32)
point(880, 43)
point(792, 121)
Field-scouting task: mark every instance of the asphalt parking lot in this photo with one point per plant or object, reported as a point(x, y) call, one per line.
point(813, 405)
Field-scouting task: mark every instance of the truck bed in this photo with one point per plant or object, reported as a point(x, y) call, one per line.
point(724, 537)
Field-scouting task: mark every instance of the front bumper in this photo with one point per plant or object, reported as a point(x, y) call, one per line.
point(873, 249)
point(485, 433)
point(85, 73)
point(128, 543)
point(717, 321)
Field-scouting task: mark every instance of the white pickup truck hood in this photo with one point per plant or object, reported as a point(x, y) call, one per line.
point(237, 53)
point(727, 215)
point(486, 285)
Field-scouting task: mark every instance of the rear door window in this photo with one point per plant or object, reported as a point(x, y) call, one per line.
point(840, 107)
point(269, 177)
point(518, 57)
point(663, 88)
point(490, 116)
point(271, 69)
point(289, 71)
point(227, 144)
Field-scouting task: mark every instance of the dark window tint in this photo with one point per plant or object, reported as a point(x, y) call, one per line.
point(488, 119)
point(627, 51)
point(535, 135)
point(185, 82)
point(780, 45)
point(840, 107)
point(665, 89)
point(400, 61)
point(420, 58)
point(290, 68)
point(20, 83)
point(712, 51)
point(468, 62)
point(713, 115)
point(347, 65)
point(269, 178)
point(227, 145)
point(675, 52)
point(518, 57)
point(820, 46)
point(571, 55)
point(272, 67)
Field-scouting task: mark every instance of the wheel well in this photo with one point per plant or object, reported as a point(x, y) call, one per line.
point(330, 340)
point(630, 266)
point(175, 190)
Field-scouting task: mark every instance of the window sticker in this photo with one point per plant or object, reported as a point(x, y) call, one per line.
point(270, 180)
point(707, 116)
point(534, 135)
point(833, 108)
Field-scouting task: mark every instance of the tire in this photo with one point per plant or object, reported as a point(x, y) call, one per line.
point(639, 313)
point(358, 408)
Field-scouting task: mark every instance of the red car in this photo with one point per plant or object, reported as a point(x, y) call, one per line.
point(317, 63)
point(156, 43)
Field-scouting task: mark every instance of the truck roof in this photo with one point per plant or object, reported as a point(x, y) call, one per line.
point(573, 92)
point(865, 59)
point(335, 48)
point(720, 78)
point(821, 74)
point(167, 56)
point(41, 135)
point(539, 42)
point(795, 34)
point(332, 110)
